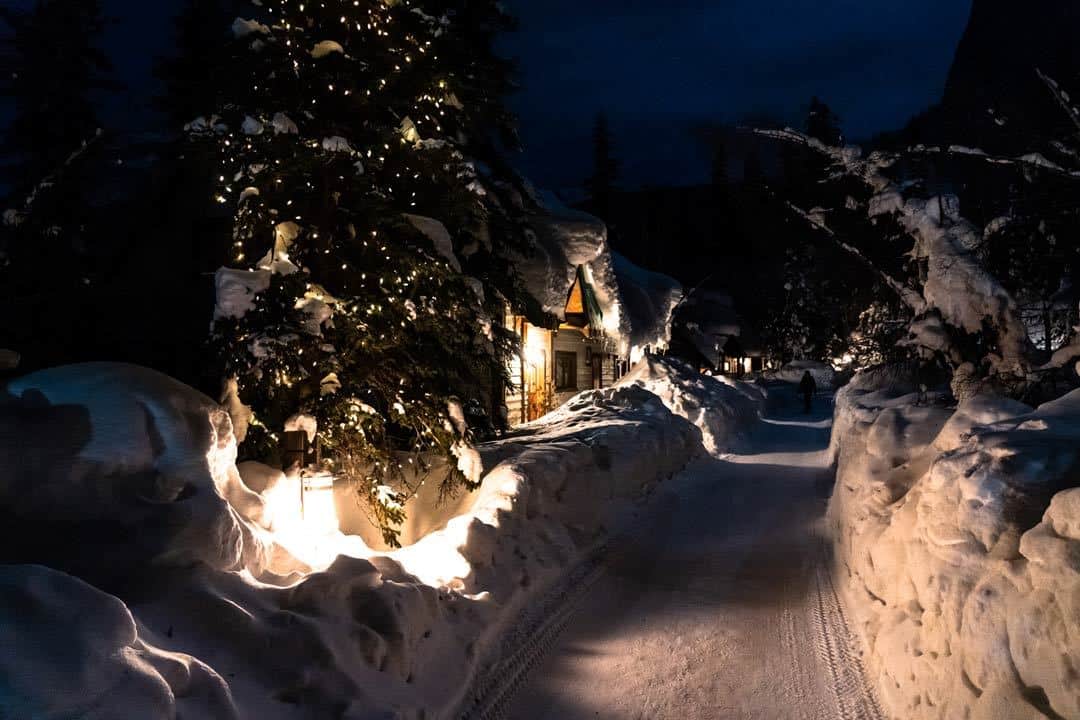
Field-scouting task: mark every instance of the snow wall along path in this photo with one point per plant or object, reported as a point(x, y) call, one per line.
point(957, 537)
point(144, 578)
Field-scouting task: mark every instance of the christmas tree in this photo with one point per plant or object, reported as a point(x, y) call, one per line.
point(359, 147)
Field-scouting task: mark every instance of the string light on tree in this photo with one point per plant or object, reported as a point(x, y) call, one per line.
point(360, 70)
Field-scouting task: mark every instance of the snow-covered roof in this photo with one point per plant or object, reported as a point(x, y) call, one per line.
point(706, 320)
point(649, 299)
point(568, 240)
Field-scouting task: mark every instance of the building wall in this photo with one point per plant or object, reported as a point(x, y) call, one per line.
point(513, 396)
point(609, 370)
point(575, 341)
point(538, 362)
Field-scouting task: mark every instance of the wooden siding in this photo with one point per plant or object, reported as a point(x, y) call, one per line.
point(541, 346)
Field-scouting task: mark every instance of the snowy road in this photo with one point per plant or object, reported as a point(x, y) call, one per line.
point(717, 607)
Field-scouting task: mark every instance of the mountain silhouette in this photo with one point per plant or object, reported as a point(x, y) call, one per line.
point(993, 96)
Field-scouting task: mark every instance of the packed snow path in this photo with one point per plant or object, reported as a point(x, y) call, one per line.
point(717, 605)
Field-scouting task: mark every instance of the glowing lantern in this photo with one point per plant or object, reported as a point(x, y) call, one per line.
point(317, 509)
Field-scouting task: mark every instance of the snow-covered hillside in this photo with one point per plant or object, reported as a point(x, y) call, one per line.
point(957, 533)
point(144, 573)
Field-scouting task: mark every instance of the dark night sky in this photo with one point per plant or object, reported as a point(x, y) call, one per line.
point(660, 67)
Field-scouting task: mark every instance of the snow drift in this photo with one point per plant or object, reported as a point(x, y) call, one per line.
point(70, 650)
point(171, 588)
point(723, 409)
point(957, 533)
point(142, 465)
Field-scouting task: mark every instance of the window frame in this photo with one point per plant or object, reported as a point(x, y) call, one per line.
point(562, 356)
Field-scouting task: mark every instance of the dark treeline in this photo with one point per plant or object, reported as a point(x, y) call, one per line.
point(110, 238)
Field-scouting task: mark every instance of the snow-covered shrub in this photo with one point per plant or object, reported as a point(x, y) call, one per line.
point(956, 541)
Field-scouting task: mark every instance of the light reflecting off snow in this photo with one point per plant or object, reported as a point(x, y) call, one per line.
point(303, 519)
point(437, 559)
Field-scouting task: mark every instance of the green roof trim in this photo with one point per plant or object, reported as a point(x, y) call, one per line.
point(592, 305)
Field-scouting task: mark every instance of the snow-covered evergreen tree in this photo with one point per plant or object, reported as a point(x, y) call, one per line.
point(810, 322)
point(878, 337)
point(1037, 266)
point(963, 285)
point(368, 280)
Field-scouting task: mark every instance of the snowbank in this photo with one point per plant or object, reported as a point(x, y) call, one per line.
point(70, 650)
point(182, 589)
point(723, 409)
point(822, 373)
point(123, 453)
point(957, 533)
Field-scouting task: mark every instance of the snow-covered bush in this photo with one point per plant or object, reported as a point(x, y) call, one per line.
point(956, 538)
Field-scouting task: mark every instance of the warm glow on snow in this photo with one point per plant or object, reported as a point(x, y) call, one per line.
point(839, 363)
point(437, 561)
point(319, 513)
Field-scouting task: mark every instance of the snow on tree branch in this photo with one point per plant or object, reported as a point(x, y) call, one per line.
point(1062, 98)
point(907, 295)
point(967, 295)
point(15, 217)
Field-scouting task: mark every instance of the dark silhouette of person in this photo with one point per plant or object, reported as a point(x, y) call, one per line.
point(807, 387)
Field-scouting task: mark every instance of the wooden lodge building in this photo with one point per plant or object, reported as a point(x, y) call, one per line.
point(599, 313)
point(557, 363)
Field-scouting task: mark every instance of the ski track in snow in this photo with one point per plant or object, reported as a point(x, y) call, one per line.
point(717, 605)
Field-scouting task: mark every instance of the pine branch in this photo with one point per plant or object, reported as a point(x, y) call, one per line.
point(906, 295)
point(1062, 98)
point(1033, 160)
point(866, 169)
point(50, 179)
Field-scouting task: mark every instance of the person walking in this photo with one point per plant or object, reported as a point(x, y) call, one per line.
point(807, 387)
